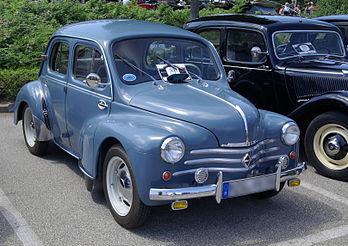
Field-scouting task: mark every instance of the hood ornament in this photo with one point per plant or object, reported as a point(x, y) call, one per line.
point(246, 160)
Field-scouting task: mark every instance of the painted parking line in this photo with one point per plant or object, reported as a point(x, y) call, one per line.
point(326, 193)
point(319, 237)
point(17, 222)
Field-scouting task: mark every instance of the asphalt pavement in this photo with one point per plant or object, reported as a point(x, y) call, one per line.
point(43, 201)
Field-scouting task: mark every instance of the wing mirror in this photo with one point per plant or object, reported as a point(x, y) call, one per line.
point(93, 80)
point(231, 76)
point(256, 51)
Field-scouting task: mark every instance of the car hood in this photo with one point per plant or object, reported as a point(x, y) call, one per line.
point(321, 65)
point(225, 113)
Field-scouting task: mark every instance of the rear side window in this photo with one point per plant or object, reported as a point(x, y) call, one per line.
point(88, 60)
point(60, 57)
point(213, 35)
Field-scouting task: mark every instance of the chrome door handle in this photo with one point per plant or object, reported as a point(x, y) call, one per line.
point(102, 105)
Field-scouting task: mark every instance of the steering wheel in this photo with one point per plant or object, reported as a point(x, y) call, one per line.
point(196, 69)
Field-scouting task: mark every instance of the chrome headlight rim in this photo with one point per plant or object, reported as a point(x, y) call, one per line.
point(290, 128)
point(164, 149)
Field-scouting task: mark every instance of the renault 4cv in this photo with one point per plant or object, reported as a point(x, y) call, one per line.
point(147, 111)
point(294, 66)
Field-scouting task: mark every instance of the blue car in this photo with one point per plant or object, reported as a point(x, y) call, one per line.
point(147, 111)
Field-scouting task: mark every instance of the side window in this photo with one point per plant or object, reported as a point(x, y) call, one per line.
point(239, 45)
point(214, 36)
point(60, 57)
point(88, 60)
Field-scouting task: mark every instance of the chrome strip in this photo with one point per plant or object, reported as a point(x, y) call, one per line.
point(312, 71)
point(88, 91)
point(249, 68)
point(85, 172)
point(269, 158)
point(236, 107)
point(67, 151)
point(264, 151)
point(238, 145)
point(231, 151)
point(213, 160)
point(212, 169)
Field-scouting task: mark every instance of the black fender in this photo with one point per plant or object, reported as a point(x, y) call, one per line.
point(249, 90)
point(331, 101)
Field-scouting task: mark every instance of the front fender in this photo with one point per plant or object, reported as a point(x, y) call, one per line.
point(317, 105)
point(32, 94)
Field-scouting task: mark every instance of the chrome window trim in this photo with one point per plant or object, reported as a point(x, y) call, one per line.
point(250, 68)
point(89, 91)
point(106, 65)
point(241, 62)
point(236, 107)
point(287, 31)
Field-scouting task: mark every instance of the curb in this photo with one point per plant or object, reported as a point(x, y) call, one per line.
point(6, 107)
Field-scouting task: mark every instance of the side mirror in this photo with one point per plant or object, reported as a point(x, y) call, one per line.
point(231, 76)
point(93, 80)
point(256, 51)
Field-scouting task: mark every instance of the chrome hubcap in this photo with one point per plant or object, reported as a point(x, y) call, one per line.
point(29, 127)
point(330, 146)
point(119, 186)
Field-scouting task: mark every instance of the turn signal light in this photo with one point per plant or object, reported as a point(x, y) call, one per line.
point(166, 176)
point(293, 155)
point(179, 205)
point(294, 182)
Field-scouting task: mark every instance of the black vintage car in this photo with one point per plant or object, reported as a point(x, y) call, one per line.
point(292, 65)
point(338, 20)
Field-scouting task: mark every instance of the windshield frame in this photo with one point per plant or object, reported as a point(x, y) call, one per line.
point(302, 55)
point(159, 38)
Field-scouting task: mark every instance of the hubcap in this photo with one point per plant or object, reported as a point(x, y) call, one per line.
point(119, 186)
point(330, 146)
point(29, 127)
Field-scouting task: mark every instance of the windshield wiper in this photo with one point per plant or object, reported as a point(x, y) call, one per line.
point(135, 67)
point(174, 66)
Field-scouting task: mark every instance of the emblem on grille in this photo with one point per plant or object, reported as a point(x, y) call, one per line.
point(246, 160)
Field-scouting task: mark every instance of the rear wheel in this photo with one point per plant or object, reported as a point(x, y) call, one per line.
point(121, 191)
point(326, 144)
point(35, 146)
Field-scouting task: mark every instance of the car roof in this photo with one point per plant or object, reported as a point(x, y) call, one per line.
point(108, 30)
point(333, 18)
point(262, 22)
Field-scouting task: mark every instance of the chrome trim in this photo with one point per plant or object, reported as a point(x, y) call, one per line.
point(287, 31)
point(213, 160)
point(264, 151)
point(312, 71)
point(250, 68)
point(212, 169)
point(269, 158)
point(67, 151)
point(239, 145)
point(236, 107)
point(285, 127)
point(84, 171)
point(164, 145)
point(231, 151)
point(106, 61)
point(216, 189)
point(88, 91)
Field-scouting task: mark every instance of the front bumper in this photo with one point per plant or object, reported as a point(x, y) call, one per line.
point(232, 188)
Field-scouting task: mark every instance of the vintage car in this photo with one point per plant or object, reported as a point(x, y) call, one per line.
point(147, 111)
point(294, 66)
point(341, 21)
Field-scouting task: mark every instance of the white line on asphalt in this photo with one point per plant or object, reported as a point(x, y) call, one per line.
point(17, 222)
point(319, 237)
point(326, 193)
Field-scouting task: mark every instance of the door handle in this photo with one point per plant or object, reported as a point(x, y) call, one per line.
point(102, 105)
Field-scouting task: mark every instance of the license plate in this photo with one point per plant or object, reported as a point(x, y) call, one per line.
point(249, 186)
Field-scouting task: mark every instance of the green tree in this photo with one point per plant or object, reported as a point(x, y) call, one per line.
point(330, 7)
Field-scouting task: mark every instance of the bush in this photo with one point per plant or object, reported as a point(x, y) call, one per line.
point(329, 7)
point(12, 80)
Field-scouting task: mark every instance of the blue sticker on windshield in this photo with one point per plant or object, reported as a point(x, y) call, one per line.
point(129, 77)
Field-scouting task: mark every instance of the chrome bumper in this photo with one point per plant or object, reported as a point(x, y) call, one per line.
point(217, 189)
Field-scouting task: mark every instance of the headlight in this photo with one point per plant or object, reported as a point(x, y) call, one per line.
point(290, 133)
point(172, 150)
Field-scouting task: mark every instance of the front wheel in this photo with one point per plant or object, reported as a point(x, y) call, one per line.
point(35, 146)
point(326, 144)
point(121, 190)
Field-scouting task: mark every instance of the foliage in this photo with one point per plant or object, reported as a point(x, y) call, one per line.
point(329, 7)
point(11, 80)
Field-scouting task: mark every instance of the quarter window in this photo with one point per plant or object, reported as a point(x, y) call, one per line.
point(60, 57)
point(239, 45)
point(88, 60)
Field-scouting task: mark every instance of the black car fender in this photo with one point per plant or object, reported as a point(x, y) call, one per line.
point(332, 101)
point(247, 87)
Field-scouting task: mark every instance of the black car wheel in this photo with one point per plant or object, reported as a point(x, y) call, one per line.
point(121, 191)
point(326, 144)
point(35, 146)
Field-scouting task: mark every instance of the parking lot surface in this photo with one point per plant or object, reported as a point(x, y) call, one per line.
point(43, 201)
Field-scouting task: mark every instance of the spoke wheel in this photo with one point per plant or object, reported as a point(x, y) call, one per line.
point(35, 146)
point(121, 191)
point(326, 144)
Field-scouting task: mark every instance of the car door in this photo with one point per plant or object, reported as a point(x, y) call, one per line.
point(86, 106)
point(54, 79)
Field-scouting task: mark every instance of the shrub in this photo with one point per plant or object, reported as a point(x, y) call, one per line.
point(12, 80)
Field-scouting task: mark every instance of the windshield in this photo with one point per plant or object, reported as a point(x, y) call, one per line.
point(301, 43)
point(145, 59)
